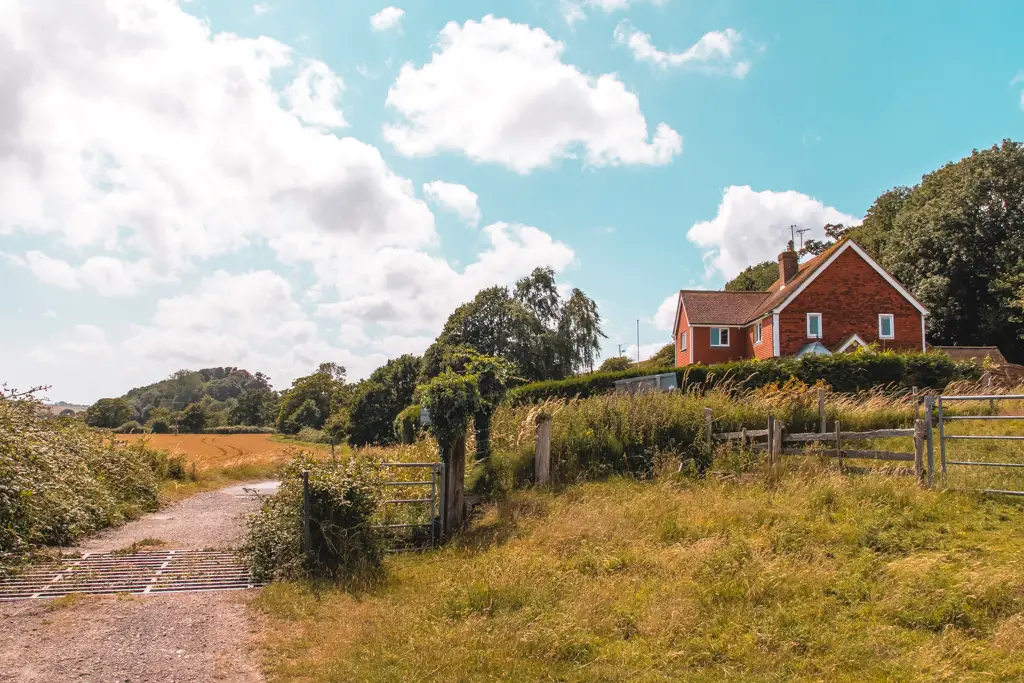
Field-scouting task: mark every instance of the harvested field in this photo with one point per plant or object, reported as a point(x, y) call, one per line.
point(222, 451)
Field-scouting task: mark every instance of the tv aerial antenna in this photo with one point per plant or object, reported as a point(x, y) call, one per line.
point(794, 231)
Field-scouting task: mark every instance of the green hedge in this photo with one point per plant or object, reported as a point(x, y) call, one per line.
point(240, 429)
point(845, 373)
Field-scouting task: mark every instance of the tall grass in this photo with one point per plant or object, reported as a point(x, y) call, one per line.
point(812, 576)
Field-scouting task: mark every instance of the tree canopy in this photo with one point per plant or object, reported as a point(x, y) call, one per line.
point(380, 398)
point(530, 325)
point(754, 278)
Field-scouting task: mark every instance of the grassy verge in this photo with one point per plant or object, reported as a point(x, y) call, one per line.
point(756, 577)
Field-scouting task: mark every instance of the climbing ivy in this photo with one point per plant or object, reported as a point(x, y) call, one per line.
point(452, 401)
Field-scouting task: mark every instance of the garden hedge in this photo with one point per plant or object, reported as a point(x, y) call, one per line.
point(845, 373)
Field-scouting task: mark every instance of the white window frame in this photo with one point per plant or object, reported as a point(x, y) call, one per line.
point(719, 345)
point(810, 317)
point(758, 332)
point(892, 326)
point(682, 341)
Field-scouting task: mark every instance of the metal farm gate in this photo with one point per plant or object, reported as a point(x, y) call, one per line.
point(411, 515)
point(939, 405)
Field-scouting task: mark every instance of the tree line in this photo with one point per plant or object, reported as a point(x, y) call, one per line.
point(530, 326)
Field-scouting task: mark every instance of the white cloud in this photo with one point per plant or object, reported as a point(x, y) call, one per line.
point(50, 313)
point(239, 162)
point(499, 92)
point(261, 8)
point(83, 342)
point(106, 275)
point(387, 18)
point(665, 317)
point(312, 96)
point(751, 227)
point(573, 10)
point(715, 52)
point(51, 271)
point(646, 350)
point(455, 197)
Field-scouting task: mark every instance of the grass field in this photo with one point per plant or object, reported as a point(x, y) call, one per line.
point(221, 459)
point(804, 576)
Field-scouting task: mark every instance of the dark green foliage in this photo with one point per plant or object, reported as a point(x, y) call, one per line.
point(615, 364)
point(193, 419)
point(957, 242)
point(159, 427)
point(325, 389)
point(60, 480)
point(452, 401)
point(131, 427)
point(192, 386)
point(407, 424)
point(343, 498)
point(754, 278)
point(531, 327)
point(109, 413)
point(338, 427)
point(380, 398)
point(256, 406)
point(664, 358)
point(238, 429)
point(843, 372)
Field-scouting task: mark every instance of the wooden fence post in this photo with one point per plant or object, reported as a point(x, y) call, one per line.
point(839, 445)
point(919, 438)
point(771, 439)
point(708, 427)
point(917, 407)
point(542, 458)
point(454, 513)
point(821, 410)
point(777, 442)
point(988, 390)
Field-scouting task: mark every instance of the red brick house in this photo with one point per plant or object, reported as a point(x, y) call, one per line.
point(834, 302)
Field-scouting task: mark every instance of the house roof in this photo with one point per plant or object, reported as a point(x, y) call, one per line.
point(807, 269)
point(720, 308)
point(972, 353)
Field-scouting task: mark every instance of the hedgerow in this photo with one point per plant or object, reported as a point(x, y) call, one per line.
point(844, 373)
point(343, 498)
point(236, 429)
point(59, 480)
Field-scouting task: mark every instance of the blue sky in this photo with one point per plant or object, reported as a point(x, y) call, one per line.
point(273, 185)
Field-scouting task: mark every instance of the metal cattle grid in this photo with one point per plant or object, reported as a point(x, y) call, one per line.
point(433, 503)
point(943, 419)
point(142, 573)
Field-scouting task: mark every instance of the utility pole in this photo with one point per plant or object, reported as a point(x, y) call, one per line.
point(638, 342)
point(620, 349)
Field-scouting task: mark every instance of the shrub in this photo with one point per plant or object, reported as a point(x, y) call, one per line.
point(310, 435)
point(407, 424)
point(343, 498)
point(60, 480)
point(131, 427)
point(160, 427)
point(846, 373)
point(237, 429)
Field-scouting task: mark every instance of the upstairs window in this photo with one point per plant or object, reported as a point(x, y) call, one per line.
point(886, 326)
point(757, 333)
point(682, 341)
point(719, 336)
point(814, 325)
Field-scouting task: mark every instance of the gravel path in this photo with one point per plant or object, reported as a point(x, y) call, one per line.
point(207, 520)
point(175, 638)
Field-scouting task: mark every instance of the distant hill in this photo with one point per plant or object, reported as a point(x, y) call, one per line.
point(60, 406)
point(192, 386)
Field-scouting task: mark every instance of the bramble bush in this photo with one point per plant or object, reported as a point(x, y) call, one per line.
point(344, 495)
point(60, 480)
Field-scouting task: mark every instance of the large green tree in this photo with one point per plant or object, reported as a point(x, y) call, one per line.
point(958, 242)
point(378, 400)
point(530, 326)
point(325, 390)
point(754, 278)
point(109, 413)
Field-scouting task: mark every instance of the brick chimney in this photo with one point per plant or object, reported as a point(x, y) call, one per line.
point(789, 264)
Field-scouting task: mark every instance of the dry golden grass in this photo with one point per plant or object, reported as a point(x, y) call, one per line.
point(222, 451)
point(807, 576)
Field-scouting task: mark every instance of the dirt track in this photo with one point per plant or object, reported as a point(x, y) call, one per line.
point(182, 638)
